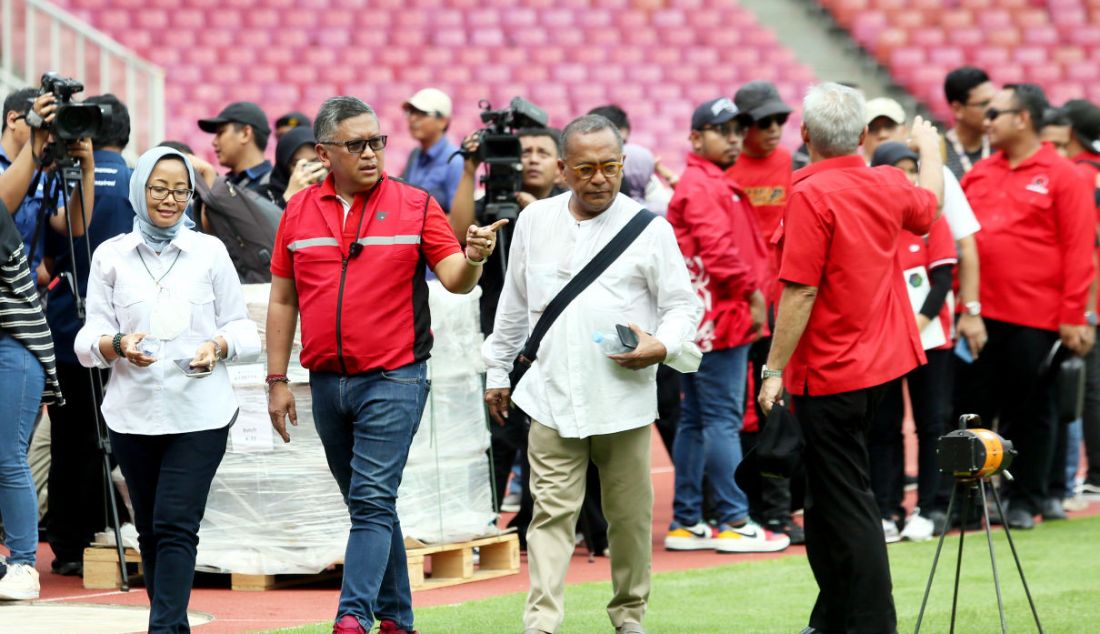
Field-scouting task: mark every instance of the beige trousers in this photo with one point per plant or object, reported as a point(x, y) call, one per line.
point(558, 467)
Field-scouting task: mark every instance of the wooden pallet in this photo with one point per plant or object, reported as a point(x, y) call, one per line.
point(430, 567)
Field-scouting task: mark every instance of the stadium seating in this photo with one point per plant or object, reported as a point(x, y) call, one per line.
point(1055, 43)
point(656, 58)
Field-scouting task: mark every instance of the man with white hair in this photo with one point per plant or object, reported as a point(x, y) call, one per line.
point(844, 329)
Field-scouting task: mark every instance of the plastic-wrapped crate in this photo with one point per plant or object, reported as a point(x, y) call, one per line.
point(274, 508)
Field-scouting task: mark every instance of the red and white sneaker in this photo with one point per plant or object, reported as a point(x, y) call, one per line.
point(386, 626)
point(348, 624)
point(749, 538)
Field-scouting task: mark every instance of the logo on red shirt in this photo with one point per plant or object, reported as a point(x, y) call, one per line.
point(1040, 185)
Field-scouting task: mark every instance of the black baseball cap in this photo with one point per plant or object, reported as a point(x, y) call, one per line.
point(890, 152)
point(760, 99)
point(1084, 118)
point(714, 112)
point(293, 119)
point(238, 112)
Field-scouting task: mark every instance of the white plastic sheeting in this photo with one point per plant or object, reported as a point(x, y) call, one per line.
point(274, 508)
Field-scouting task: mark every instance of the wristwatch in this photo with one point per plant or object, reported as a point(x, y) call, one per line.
point(1090, 318)
point(768, 373)
point(974, 309)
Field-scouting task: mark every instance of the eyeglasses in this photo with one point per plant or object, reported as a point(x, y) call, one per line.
point(726, 129)
point(993, 113)
point(767, 122)
point(609, 169)
point(376, 143)
point(179, 195)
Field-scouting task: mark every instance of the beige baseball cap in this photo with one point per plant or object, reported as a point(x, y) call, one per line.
point(885, 107)
point(430, 100)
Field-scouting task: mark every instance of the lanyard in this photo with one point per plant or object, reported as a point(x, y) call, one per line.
point(157, 280)
point(960, 151)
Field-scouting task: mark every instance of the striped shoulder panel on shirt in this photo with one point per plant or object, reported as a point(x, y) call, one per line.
point(22, 317)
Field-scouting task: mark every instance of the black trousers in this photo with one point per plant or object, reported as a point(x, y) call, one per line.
point(929, 387)
point(504, 443)
point(668, 405)
point(1091, 418)
point(76, 487)
point(169, 479)
point(844, 542)
point(1004, 384)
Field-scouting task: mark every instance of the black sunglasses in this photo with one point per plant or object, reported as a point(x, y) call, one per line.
point(358, 146)
point(767, 122)
point(993, 113)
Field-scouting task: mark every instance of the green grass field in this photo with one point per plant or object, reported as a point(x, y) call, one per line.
point(1061, 561)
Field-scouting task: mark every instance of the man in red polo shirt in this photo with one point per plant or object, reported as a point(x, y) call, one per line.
point(350, 256)
point(844, 329)
point(1036, 250)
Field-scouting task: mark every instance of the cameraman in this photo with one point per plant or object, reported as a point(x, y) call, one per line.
point(30, 208)
point(76, 491)
point(540, 151)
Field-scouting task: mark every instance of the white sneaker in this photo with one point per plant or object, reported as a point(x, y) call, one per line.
point(19, 583)
point(750, 538)
point(917, 528)
point(698, 537)
point(890, 529)
point(511, 502)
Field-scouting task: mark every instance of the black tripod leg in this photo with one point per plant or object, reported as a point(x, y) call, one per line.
point(935, 561)
point(993, 558)
point(958, 562)
point(1019, 567)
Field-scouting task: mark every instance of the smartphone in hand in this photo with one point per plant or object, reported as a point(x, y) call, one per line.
point(196, 372)
point(627, 337)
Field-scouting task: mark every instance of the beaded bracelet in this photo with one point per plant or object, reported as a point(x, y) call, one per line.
point(116, 343)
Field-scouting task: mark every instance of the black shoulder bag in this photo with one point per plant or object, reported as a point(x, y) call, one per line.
point(611, 252)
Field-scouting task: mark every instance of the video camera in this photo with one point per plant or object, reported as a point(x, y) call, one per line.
point(72, 120)
point(499, 149)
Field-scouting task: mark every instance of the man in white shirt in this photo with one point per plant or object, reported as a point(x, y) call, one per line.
point(584, 404)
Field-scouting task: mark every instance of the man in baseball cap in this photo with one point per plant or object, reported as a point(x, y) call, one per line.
point(240, 137)
point(289, 121)
point(727, 260)
point(1084, 117)
point(885, 122)
point(430, 165)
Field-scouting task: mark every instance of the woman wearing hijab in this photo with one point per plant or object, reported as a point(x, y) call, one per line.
point(164, 307)
point(296, 166)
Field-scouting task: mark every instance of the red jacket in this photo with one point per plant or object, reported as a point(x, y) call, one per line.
point(1036, 243)
point(366, 308)
point(725, 255)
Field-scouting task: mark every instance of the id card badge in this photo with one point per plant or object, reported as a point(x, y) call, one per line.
point(170, 317)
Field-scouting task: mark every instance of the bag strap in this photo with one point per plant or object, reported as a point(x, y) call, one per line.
point(607, 255)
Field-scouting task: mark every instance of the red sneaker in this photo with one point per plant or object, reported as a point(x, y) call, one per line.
point(386, 626)
point(348, 624)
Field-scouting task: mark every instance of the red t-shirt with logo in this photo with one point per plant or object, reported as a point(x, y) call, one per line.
point(1037, 240)
point(840, 234)
point(931, 251)
point(767, 182)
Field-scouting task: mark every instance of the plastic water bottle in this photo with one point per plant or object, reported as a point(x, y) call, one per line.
point(609, 343)
point(149, 346)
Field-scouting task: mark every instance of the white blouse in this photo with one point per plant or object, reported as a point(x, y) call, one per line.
point(195, 271)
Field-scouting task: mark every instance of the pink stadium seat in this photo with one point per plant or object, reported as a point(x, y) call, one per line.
point(928, 37)
point(1083, 72)
point(1044, 74)
point(1030, 54)
point(955, 18)
point(947, 57)
point(989, 56)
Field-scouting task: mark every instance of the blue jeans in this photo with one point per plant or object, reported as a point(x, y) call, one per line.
point(1074, 436)
point(366, 423)
point(22, 379)
point(708, 438)
point(169, 478)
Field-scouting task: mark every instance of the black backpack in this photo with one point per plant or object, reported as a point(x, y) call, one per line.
point(246, 223)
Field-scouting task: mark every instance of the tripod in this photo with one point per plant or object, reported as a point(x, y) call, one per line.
point(70, 172)
point(968, 486)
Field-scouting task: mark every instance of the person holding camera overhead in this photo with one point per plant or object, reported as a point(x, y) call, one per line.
point(164, 308)
point(21, 124)
point(28, 376)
